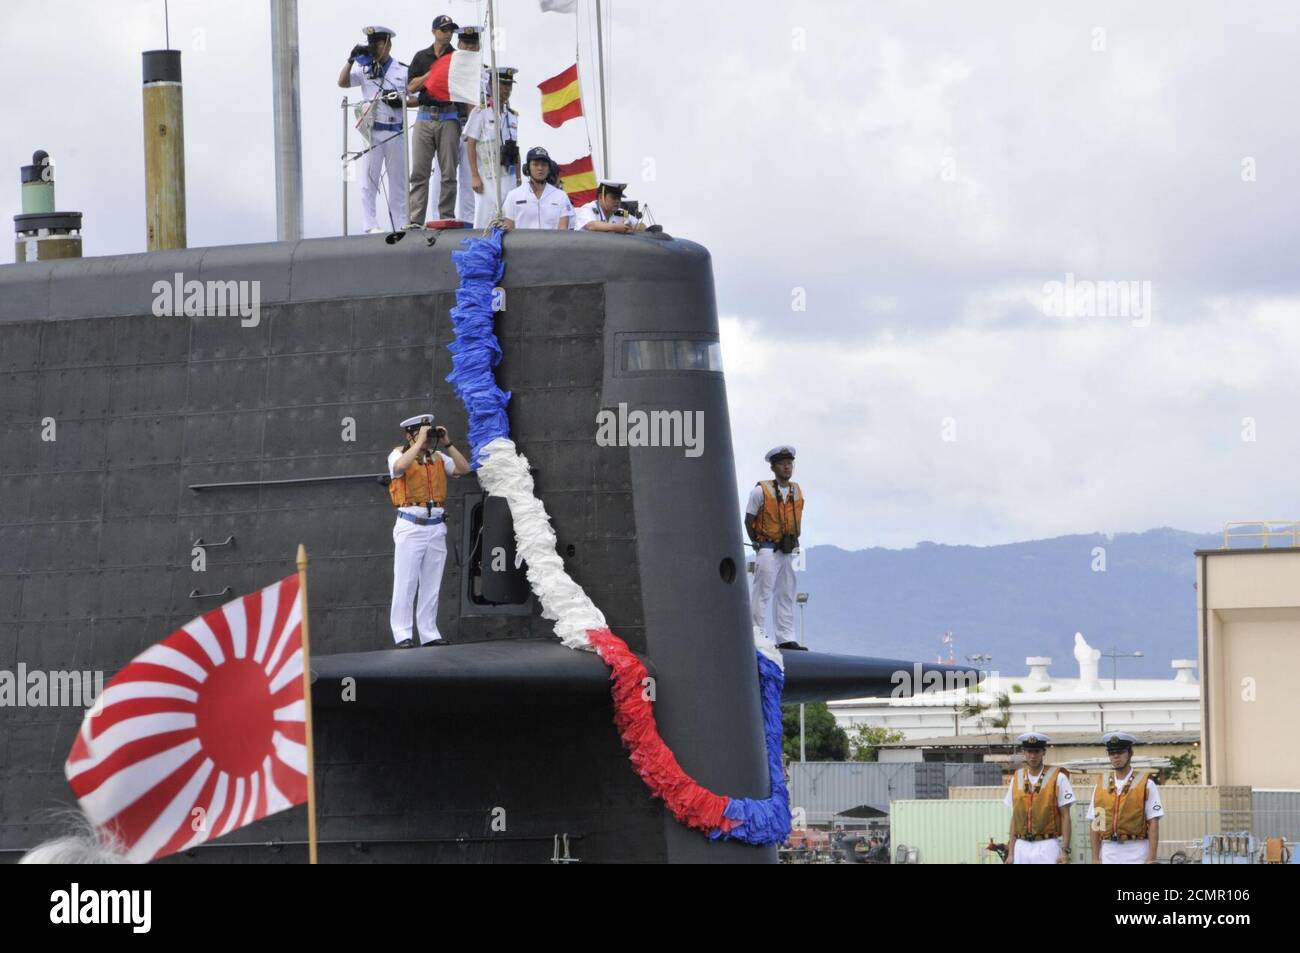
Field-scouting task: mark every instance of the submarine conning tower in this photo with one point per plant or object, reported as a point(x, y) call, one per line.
point(40, 232)
point(176, 428)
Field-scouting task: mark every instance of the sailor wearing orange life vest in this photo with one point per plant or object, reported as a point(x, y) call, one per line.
point(773, 518)
point(1126, 809)
point(1040, 798)
point(418, 488)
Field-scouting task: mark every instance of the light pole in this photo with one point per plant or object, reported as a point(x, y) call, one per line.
point(1115, 655)
point(802, 600)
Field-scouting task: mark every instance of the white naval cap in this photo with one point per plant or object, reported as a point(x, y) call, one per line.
point(376, 30)
point(417, 421)
point(1118, 739)
point(784, 448)
point(611, 185)
point(1033, 739)
point(470, 30)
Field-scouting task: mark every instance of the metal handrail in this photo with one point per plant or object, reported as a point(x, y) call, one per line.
point(1288, 529)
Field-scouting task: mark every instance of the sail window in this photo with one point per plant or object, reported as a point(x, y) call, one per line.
point(671, 355)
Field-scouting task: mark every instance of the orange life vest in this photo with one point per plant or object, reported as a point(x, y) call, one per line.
point(775, 519)
point(1125, 812)
point(421, 483)
point(1033, 806)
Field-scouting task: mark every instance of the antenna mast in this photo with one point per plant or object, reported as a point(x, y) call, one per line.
point(286, 113)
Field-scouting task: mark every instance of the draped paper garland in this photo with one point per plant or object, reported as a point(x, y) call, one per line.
point(503, 472)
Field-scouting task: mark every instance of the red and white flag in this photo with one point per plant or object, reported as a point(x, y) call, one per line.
point(202, 733)
point(456, 77)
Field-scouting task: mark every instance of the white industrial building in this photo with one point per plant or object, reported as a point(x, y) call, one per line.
point(1040, 701)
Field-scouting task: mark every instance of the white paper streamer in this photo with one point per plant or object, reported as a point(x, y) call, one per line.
point(504, 472)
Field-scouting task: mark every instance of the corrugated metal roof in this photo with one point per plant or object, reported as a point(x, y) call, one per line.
point(1072, 738)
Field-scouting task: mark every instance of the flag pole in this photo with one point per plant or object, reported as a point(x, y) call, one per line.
point(496, 98)
point(306, 700)
point(600, 70)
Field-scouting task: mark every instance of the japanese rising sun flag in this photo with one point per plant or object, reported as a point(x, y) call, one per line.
point(202, 733)
point(456, 77)
point(561, 97)
point(578, 179)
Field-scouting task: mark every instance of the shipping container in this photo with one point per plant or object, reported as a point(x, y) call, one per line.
point(949, 832)
point(826, 790)
point(1276, 814)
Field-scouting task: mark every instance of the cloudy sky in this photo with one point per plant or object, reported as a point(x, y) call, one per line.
point(887, 190)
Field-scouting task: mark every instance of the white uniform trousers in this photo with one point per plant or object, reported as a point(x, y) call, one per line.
point(774, 582)
point(1124, 852)
point(464, 187)
point(1037, 851)
point(391, 156)
point(485, 204)
point(419, 554)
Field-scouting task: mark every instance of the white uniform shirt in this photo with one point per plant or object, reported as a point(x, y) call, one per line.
point(482, 128)
point(393, 79)
point(1064, 790)
point(527, 210)
point(1133, 851)
point(592, 212)
point(448, 464)
point(755, 502)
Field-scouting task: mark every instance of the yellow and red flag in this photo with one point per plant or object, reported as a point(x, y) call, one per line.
point(561, 97)
point(578, 179)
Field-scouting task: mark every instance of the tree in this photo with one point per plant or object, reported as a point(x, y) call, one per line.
point(1183, 769)
point(823, 739)
point(971, 707)
point(867, 739)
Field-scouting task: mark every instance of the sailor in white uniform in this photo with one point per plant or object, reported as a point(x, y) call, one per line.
point(604, 213)
point(1032, 844)
point(493, 156)
point(773, 519)
point(1126, 809)
point(418, 474)
point(383, 86)
point(537, 203)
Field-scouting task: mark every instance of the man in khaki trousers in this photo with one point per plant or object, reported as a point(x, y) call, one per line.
point(436, 131)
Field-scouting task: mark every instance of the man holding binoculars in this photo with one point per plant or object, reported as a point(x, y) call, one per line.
point(383, 86)
point(418, 487)
point(773, 518)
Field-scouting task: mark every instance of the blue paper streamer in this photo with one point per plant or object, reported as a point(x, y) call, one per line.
point(475, 352)
point(765, 821)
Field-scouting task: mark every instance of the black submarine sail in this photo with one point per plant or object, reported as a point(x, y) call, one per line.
point(243, 434)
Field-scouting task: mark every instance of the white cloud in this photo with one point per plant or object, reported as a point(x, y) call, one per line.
point(1091, 425)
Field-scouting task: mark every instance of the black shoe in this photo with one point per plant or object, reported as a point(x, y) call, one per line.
point(433, 642)
point(792, 647)
point(406, 644)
